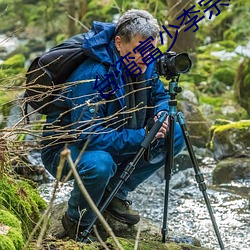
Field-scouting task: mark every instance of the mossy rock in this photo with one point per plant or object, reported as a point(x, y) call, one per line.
point(10, 231)
point(231, 169)
point(232, 139)
point(224, 75)
point(221, 107)
point(22, 200)
point(128, 244)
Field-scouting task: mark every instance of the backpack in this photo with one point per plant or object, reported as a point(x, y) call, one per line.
point(48, 73)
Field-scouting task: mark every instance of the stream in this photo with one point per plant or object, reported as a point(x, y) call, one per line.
point(187, 212)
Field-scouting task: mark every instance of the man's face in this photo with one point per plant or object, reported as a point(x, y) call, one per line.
point(125, 48)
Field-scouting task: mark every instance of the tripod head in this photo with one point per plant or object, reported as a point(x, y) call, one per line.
point(174, 89)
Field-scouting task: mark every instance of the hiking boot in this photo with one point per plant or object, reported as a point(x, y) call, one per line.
point(75, 231)
point(121, 211)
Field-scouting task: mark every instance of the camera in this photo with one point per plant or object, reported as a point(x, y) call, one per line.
point(172, 65)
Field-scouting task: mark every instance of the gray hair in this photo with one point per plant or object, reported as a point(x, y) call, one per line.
point(136, 22)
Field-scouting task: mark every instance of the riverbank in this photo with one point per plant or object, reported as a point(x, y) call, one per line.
point(188, 215)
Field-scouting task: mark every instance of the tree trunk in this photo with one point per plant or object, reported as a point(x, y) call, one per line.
point(185, 41)
point(83, 7)
point(72, 13)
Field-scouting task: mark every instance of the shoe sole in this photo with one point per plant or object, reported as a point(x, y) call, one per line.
point(121, 219)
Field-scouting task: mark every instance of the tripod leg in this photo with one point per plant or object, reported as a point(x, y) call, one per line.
point(168, 173)
point(199, 177)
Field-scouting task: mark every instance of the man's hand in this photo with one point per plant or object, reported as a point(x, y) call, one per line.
point(164, 128)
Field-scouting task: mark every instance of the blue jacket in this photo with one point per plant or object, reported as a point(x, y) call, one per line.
point(91, 117)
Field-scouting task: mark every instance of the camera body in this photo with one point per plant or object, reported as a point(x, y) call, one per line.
point(172, 65)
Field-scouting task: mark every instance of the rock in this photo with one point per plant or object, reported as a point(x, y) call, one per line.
point(188, 95)
point(197, 125)
point(231, 169)
point(232, 139)
point(182, 162)
point(228, 110)
point(150, 235)
point(206, 109)
point(181, 179)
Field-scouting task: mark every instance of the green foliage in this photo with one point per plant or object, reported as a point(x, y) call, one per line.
point(12, 67)
point(16, 61)
point(230, 24)
point(215, 29)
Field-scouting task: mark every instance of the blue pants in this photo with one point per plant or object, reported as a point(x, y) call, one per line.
point(100, 170)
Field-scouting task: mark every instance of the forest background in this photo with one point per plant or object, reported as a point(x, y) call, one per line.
point(217, 48)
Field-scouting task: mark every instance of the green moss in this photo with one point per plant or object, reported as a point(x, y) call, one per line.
point(16, 237)
point(236, 125)
point(22, 200)
point(10, 220)
point(6, 243)
point(229, 45)
point(224, 75)
point(14, 234)
point(212, 100)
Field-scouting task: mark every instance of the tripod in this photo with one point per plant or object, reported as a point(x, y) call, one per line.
point(169, 163)
point(173, 90)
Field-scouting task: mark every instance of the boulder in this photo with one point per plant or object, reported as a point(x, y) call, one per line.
point(232, 139)
point(197, 125)
point(231, 169)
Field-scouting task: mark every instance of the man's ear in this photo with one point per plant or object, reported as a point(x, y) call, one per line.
point(118, 43)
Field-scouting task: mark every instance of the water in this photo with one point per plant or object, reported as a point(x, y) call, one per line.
point(188, 215)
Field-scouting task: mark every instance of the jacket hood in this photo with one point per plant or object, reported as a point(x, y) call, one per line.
point(98, 43)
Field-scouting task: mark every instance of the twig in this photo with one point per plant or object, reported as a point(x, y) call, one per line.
point(77, 21)
point(66, 154)
point(99, 238)
point(137, 236)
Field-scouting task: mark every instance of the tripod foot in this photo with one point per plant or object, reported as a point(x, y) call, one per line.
point(164, 232)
